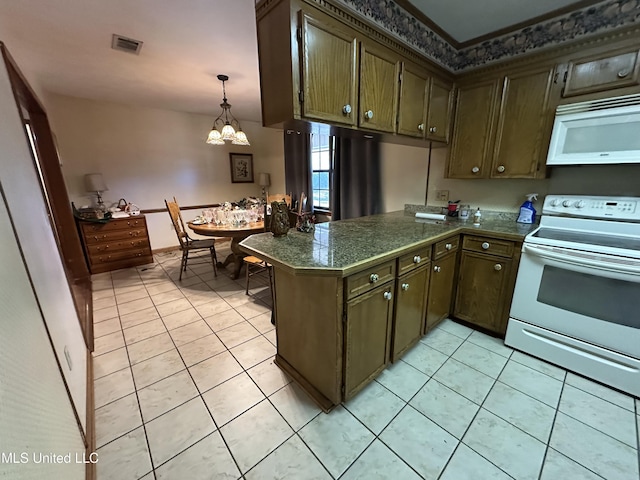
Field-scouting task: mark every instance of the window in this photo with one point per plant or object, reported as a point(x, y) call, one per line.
point(322, 147)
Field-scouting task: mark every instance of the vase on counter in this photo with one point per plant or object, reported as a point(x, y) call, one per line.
point(279, 219)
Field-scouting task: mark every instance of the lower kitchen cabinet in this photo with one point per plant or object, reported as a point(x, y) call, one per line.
point(442, 282)
point(410, 308)
point(367, 337)
point(485, 283)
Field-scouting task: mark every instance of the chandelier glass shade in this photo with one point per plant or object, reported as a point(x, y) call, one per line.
point(226, 128)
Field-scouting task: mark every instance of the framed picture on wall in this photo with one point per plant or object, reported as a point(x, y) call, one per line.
point(241, 167)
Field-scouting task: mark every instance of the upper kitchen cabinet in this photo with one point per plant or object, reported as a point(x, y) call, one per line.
point(602, 72)
point(379, 82)
point(329, 73)
point(473, 129)
point(502, 126)
point(439, 114)
point(524, 125)
point(425, 105)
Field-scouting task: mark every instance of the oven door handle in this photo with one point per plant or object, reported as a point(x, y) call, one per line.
point(568, 257)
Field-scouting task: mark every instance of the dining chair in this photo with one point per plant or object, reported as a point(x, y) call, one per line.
point(279, 197)
point(255, 265)
point(188, 244)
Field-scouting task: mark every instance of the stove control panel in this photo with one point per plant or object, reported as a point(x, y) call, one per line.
point(615, 208)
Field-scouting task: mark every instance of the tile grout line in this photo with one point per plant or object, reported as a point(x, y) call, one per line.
point(553, 424)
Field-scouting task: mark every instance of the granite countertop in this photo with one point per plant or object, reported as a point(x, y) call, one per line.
point(344, 247)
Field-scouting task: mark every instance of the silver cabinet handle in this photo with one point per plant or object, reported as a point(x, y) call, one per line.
point(373, 278)
point(421, 127)
point(417, 259)
point(497, 267)
point(346, 109)
point(437, 269)
point(405, 286)
point(623, 73)
point(501, 169)
point(485, 245)
point(368, 114)
point(387, 295)
point(433, 129)
point(448, 246)
point(475, 169)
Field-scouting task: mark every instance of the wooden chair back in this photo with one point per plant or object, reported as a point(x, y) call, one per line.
point(176, 219)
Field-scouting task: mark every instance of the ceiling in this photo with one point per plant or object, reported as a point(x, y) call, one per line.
point(64, 46)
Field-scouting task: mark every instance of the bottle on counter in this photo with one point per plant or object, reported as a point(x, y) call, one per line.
point(527, 212)
point(477, 216)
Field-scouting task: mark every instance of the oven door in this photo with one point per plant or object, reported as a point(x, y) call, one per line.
point(586, 296)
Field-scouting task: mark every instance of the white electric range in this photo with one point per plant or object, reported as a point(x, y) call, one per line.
point(577, 296)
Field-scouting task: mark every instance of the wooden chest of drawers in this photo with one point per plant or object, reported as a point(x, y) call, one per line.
point(119, 243)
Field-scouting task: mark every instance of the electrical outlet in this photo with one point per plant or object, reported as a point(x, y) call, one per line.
point(442, 195)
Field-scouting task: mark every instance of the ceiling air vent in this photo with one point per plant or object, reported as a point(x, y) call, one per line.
point(124, 44)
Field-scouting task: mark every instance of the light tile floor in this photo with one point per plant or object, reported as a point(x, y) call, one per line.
point(186, 388)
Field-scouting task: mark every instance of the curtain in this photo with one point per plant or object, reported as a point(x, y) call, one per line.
point(297, 165)
point(356, 178)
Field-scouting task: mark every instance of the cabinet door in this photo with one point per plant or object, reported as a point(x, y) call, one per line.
point(604, 72)
point(367, 337)
point(412, 111)
point(473, 130)
point(481, 292)
point(329, 62)
point(439, 116)
point(411, 303)
point(379, 81)
point(440, 290)
point(524, 125)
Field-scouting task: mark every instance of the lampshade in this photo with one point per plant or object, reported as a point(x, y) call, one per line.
point(264, 180)
point(226, 127)
point(215, 138)
point(93, 182)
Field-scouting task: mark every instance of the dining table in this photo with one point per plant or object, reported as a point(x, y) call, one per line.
point(237, 234)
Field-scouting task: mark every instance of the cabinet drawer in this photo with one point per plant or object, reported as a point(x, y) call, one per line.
point(440, 249)
point(364, 281)
point(116, 256)
point(100, 237)
point(118, 224)
point(413, 260)
point(595, 74)
point(104, 247)
point(504, 248)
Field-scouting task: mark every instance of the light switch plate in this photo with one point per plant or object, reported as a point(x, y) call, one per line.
point(442, 195)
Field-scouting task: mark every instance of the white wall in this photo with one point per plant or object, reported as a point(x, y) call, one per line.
point(148, 155)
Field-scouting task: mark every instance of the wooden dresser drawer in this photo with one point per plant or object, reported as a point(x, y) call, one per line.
point(101, 237)
point(121, 255)
point(503, 248)
point(448, 245)
point(413, 260)
point(364, 281)
point(112, 225)
point(104, 247)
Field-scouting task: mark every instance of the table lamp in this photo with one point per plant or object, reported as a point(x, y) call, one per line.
point(93, 182)
point(264, 181)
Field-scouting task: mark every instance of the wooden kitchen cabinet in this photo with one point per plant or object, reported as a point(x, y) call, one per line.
point(605, 71)
point(414, 98)
point(329, 71)
point(473, 130)
point(442, 281)
point(118, 243)
point(367, 337)
point(379, 83)
point(440, 106)
point(485, 282)
point(503, 126)
point(410, 300)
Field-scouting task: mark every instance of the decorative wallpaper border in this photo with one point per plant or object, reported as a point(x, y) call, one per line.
point(604, 16)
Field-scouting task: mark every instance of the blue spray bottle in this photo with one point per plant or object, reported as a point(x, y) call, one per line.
point(527, 212)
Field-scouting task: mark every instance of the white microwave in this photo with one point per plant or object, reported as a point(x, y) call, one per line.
point(596, 132)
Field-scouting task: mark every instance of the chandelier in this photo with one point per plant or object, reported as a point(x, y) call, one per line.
point(226, 127)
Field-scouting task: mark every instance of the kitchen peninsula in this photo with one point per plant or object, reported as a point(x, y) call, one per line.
point(352, 296)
